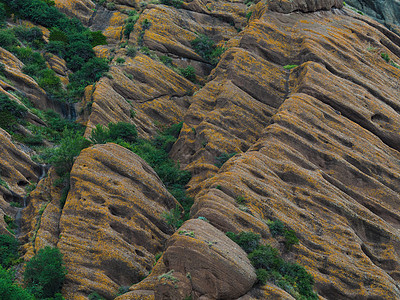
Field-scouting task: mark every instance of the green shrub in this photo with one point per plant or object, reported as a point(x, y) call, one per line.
point(97, 38)
point(3, 183)
point(49, 81)
point(276, 227)
point(89, 73)
point(120, 60)
point(8, 39)
point(111, 5)
point(128, 29)
point(223, 158)
point(3, 15)
point(248, 15)
point(56, 47)
point(290, 239)
point(131, 51)
point(174, 3)
point(189, 73)
point(269, 266)
point(130, 23)
point(95, 296)
point(63, 156)
point(8, 251)
point(115, 133)
point(266, 257)
point(57, 35)
point(385, 57)
point(206, 48)
point(33, 36)
point(247, 240)
point(166, 60)
point(44, 273)
point(10, 290)
point(11, 113)
point(262, 276)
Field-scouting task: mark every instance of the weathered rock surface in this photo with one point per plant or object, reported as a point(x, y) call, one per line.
point(199, 262)
point(44, 204)
point(385, 11)
point(301, 93)
point(328, 164)
point(18, 81)
point(112, 223)
point(216, 266)
point(17, 170)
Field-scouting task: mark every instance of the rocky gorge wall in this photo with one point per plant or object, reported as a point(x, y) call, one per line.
point(301, 94)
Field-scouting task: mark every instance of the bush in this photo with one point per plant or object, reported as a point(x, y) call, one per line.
point(131, 51)
point(44, 273)
point(223, 158)
point(166, 60)
point(290, 239)
point(269, 266)
point(206, 48)
point(9, 290)
point(120, 60)
point(130, 23)
point(8, 251)
point(33, 36)
point(247, 240)
point(11, 113)
point(189, 73)
point(174, 3)
point(276, 227)
point(89, 73)
point(97, 38)
point(8, 39)
point(115, 133)
point(63, 157)
point(3, 15)
point(57, 35)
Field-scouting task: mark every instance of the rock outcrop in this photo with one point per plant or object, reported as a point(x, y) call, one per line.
point(112, 222)
point(17, 170)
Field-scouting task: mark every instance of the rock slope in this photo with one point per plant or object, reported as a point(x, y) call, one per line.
point(305, 99)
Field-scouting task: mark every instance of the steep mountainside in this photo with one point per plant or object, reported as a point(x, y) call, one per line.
point(290, 114)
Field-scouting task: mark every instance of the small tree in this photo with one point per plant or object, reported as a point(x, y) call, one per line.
point(45, 273)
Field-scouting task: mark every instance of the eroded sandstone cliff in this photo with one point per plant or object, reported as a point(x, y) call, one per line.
point(302, 95)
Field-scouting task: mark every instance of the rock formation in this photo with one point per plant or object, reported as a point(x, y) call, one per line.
point(304, 104)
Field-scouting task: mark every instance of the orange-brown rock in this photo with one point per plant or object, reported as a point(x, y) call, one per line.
point(217, 268)
point(81, 9)
point(142, 91)
point(18, 81)
point(16, 167)
point(200, 262)
point(41, 217)
point(328, 164)
point(17, 170)
point(112, 223)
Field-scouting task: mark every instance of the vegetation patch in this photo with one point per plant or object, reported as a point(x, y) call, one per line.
point(270, 267)
point(11, 114)
point(45, 273)
point(387, 58)
point(206, 48)
point(277, 228)
point(223, 158)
